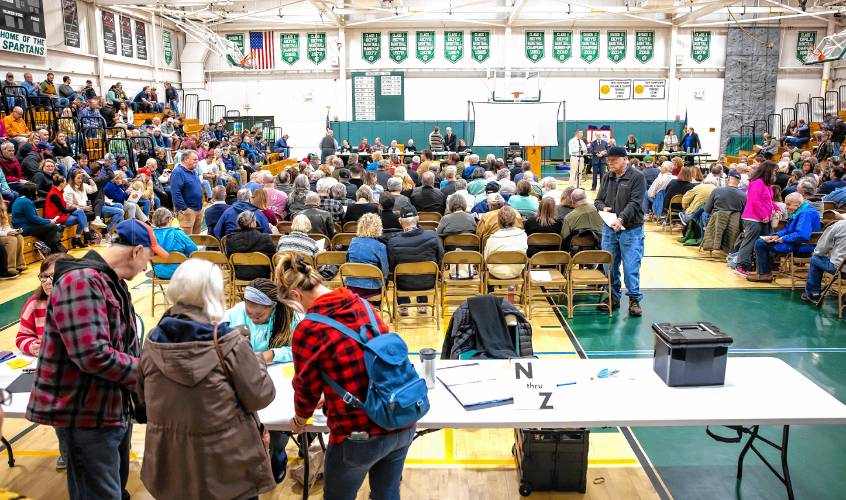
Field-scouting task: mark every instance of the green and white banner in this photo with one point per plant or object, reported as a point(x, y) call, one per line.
point(590, 46)
point(480, 45)
point(562, 45)
point(167, 46)
point(535, 45)
point(425, 46)
point(805, 43)
point(398, 46)
point(316, 47)
point(289, 45)
point(22, 44)
point(371, 47)
point(616, 46)
point(700, 46)
point(453, 45)
point(644, 45)
point(238, 40)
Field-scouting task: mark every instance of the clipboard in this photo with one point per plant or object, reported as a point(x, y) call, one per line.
point(22, 384)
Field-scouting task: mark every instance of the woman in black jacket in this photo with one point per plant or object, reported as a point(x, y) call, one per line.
point(249, 239)
point(543, 222)
point(680, 185)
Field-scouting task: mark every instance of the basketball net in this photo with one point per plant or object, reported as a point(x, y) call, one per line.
point(517, 95)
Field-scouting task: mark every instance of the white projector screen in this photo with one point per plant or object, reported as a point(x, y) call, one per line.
point(529, 123)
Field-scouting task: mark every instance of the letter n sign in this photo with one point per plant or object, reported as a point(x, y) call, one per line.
point(531, 390)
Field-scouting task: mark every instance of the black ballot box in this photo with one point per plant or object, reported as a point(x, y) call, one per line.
point(551, 459)
point(690, 354)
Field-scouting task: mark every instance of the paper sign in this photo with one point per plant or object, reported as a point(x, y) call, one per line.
point(534, 387)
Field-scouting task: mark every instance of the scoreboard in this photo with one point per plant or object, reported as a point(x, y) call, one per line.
point(22, 26)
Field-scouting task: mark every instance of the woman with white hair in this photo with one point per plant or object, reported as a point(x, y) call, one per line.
point(657, 190)
point(205, 386)
point(298, 239)
point(171, 239)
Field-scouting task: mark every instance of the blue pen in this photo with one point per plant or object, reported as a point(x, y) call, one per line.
point(566, 383)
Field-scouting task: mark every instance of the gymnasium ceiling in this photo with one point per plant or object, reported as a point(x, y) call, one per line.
point(226, 15)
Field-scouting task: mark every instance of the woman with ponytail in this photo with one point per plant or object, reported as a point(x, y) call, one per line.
point(271, 325)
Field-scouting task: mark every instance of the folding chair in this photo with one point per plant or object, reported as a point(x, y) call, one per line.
point(361, 270)
point(458, 261)
point(547, 277)
point(464, 241)
point(544, 242)
point(206, 241)
point(341, 241)
point(246, 259)
point(222, 261)
point(429, 216)
point(284, 227)
point(331, 258)
point(589, 281)
point(828, 205)
point(673, 212)
point(159, 283)
point(836, 286)
point(428, 224)
point(338, 228)
point(278, 256)
point(799, 264)
point(500, 286)
point(275, 239)
point(351, 227)
point(417, 269)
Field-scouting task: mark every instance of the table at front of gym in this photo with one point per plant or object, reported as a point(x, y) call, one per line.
point(757, 391)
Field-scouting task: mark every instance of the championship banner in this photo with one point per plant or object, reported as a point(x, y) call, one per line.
point(615, 89)
point(535, 42)
point(126, 49)
point(316, 47)
point(371, 47)
point(590, 46)
point(289, 46)
point(22, 28)
point(167, 46)
point(453, 45)
point(109, 34)
point(649, 89)
point(562, 45)
point(71, 23)
point(480, 45)
point(616, 46)
point(398, 46)
point(805, 43)
point(700, 46)
point(425, 46)
point(644, 45)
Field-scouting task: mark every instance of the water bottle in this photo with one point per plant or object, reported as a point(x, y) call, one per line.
point(511, 291)
point(427, 358)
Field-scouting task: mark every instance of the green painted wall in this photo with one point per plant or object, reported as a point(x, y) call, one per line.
point(645, 131)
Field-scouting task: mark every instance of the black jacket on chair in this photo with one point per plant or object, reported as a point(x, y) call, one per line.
point(416, 245)
point(246, 241)
point(465, 335)
point(428, 199)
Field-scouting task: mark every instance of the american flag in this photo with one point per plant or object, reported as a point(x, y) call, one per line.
point(261, 49)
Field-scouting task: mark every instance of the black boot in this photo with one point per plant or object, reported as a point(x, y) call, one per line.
point(76, 242)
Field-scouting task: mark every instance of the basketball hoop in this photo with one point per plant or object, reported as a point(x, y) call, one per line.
point(517, 95)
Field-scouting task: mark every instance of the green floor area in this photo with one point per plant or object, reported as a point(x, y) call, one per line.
point(762, 322)
point(10, 309)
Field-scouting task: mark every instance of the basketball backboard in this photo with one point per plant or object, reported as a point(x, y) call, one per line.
point(514, 85)
point(830, 48)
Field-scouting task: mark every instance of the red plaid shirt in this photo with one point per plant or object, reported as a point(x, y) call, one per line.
point(320, 348)
point(84, 368)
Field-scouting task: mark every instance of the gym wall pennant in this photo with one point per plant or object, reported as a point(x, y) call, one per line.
point(289, 45)
point(480, 45)
point(805, 43)
point(425, 46)
point(562, 45)
point(371, 47)
point(398, 46)
point(644, 45)
point(453, 45)
point(316, 47)
point(535, 45)
point(616, 46)
point(700, 46)
point(590, 46)
point(167, 46)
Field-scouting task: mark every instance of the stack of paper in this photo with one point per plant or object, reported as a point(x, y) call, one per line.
point(475, 386)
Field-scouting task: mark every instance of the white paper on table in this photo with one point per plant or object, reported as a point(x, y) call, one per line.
point(541, 275)
point(465, 374)
point(609, 218)
point(475, 393)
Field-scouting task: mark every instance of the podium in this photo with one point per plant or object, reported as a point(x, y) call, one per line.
point(534, 155)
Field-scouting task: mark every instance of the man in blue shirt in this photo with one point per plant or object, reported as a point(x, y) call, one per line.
point(281, 146)
point(141, 103)
point(187, 194)
point(835, 181)
point(30, 87)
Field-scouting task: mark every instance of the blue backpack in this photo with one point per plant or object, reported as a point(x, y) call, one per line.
point(396, 395)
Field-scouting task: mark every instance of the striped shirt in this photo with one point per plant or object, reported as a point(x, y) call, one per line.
point(297, 242)
point(32, 324)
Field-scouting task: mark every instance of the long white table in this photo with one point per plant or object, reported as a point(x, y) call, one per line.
point(757, 391)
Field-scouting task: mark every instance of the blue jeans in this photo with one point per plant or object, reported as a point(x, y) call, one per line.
point(145, 206)
point(598, 170)
point(626, 247)
point(658, 203)
point(10, 195)
point(98, 461)
point(795, 141)
point(173, 104)
point(763, 256)
point(78, 217)
point(382, 457)
point(835, 146)
point(819, 264)
point(114, 214)
point(206, 187)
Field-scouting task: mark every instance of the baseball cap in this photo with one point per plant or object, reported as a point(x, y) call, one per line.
point(344, 174)
point(617, 152)
point(9, 74)
point(735, 175)
point(408, 211)
point(145, 171)
point(648, 159)
point(492, 187)
point(133, 232)
point(495, 198)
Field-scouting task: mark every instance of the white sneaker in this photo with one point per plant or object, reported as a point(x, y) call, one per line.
point(422, 310)
point(98, 223)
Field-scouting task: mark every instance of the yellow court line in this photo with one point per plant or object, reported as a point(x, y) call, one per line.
point(46, 453)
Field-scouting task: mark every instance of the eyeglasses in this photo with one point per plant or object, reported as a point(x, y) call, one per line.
point(5, 397)
point(45, 277)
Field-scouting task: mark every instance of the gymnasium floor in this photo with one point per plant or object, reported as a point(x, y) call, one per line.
point(683, 463)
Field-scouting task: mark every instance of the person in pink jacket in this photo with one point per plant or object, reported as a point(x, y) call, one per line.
point(757, 214)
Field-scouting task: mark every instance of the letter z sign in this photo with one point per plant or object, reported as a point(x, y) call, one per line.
point(532, 389)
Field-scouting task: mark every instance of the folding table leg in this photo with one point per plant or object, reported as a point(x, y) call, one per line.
point(304, 441)
point(784, 475)
point(8, 446)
